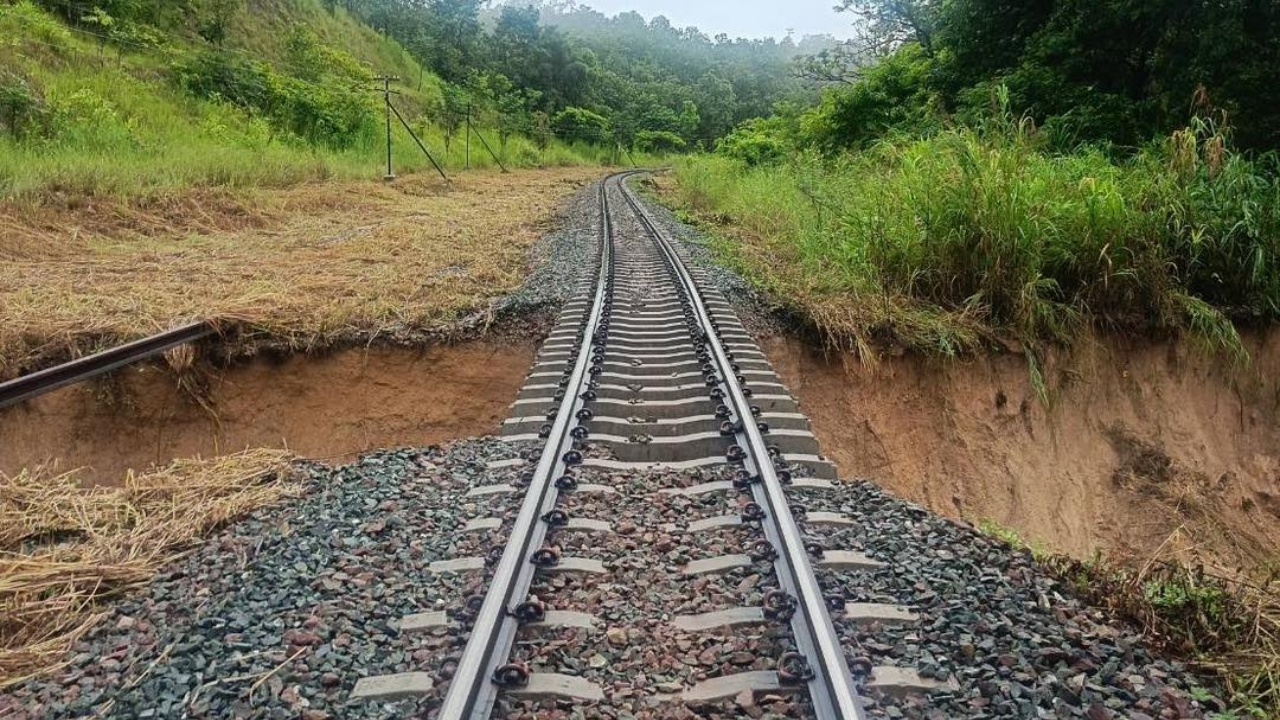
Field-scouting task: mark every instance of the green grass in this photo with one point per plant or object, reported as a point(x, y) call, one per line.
point(111, 121)
point(944, 243)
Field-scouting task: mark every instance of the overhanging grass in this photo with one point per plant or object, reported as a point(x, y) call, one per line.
point(939, 243)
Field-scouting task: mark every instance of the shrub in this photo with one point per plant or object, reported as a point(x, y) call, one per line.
point(658, 141)
point(755, 142)
point(21, 108)
point(86, 119)
point(325, 113)
point(890, 97)
point(575, 124)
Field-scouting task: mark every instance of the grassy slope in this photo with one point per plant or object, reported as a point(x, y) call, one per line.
point(262, 27)
point(948, 243)
point(116, 123)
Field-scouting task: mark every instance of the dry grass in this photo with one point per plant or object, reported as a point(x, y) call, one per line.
point(1225, 623)
point(65, 549)
point(310, 266)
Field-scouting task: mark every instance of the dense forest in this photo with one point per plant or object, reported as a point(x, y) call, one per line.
point(585, 75)
point(1116, 72)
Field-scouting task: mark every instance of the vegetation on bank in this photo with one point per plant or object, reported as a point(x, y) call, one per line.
point(942, 199)
point(946, 242)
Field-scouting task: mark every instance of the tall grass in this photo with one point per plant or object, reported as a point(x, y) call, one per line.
point(941, 242)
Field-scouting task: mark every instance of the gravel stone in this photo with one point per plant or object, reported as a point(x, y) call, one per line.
point(280, 614)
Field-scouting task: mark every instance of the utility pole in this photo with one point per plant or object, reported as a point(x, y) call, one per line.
point(468, 134)
point(387, 92)
point(386, 98)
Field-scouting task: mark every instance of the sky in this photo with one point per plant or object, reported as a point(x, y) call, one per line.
point(739, 18)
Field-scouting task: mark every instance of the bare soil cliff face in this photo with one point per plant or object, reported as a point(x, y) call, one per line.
point(329, 408)
point(1145, 448)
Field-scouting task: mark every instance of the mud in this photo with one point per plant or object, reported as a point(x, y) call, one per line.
point(330, 408)
point(1144, 449)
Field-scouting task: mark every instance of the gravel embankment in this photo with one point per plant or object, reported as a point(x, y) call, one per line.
point(1018, 647)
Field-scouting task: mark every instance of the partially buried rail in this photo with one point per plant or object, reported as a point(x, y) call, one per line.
point(35, 384)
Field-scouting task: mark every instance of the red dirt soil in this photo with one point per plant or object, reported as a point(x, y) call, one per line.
point(328, 408)
point(1146, 448)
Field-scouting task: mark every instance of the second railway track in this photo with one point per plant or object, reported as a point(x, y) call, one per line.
point(661, 422)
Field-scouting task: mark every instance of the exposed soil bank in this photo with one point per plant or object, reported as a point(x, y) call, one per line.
point(328, 408)
point(1147, 447)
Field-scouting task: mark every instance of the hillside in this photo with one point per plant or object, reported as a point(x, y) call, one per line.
point(109, 105)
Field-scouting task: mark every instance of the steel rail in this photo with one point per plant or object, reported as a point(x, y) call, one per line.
point(832, 690)
point(472, 690)
point(35, 384)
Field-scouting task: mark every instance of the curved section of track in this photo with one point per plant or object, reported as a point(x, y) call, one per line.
point(664, 319)
point(652, 406)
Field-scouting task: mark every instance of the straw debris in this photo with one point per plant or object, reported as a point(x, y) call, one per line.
point(300, 269)
point(65, 550)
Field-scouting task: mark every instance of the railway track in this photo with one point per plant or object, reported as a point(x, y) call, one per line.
point(649, 375)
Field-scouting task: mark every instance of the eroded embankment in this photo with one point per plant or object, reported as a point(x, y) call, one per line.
point(1146, 447)
point(328, 408)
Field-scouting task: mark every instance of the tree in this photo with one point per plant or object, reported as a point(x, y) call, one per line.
point(213, 18)
point(716, 102)
point(574, 123)
point(453, 34)
point(658, 141)
point(453, 115)
point(886, 25)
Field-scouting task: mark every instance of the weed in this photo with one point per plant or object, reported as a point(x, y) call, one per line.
point(1010, 537)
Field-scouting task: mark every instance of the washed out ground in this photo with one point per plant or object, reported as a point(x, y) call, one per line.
point(80, 531)
point(279, 615)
